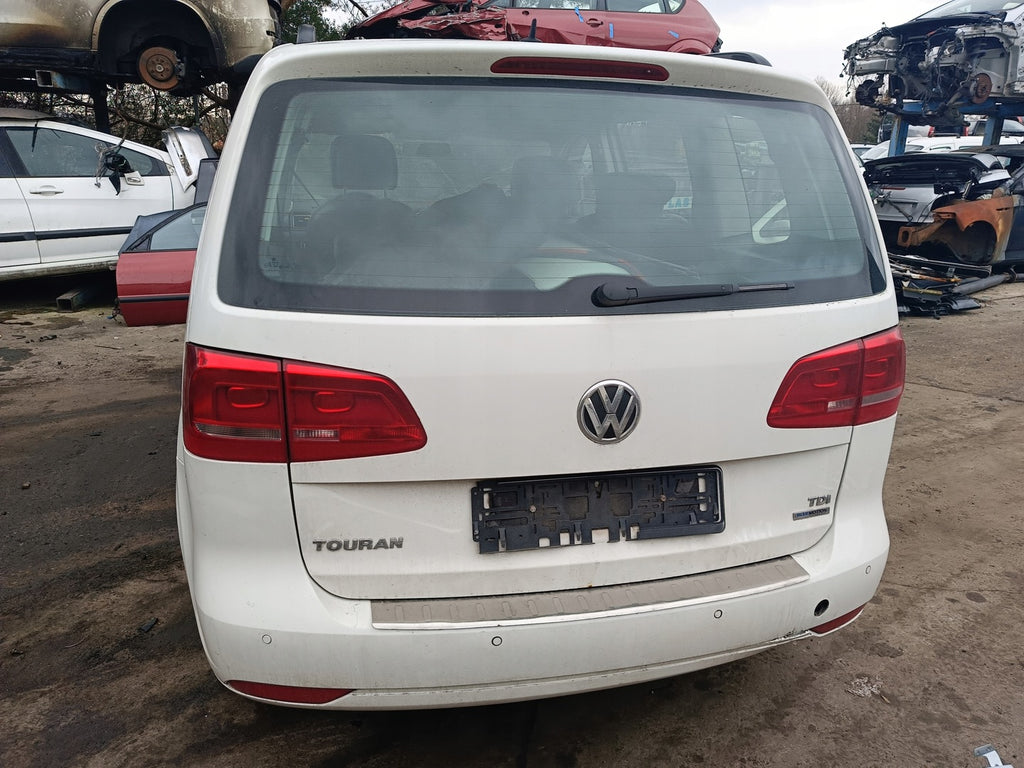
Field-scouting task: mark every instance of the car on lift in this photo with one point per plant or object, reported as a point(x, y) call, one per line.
point(170, 45)
point(678, 26)
point(952, 58)
point(69, 194)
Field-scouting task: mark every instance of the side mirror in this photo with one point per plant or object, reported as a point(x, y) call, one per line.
point(116, 167)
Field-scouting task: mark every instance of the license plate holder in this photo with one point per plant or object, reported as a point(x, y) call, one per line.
point(512, 515)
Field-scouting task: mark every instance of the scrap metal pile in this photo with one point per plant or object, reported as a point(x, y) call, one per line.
point(937, 288)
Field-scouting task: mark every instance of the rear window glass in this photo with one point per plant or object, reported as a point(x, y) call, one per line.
point(524, 198)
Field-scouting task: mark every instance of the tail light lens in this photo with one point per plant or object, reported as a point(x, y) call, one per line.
point(854, 383)
point(335, 413)
point(242, 408)
point(233, 406)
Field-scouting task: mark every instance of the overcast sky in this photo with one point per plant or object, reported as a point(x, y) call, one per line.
point(807, 37)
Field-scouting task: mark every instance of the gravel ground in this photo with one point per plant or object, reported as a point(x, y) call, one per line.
point(100, 662)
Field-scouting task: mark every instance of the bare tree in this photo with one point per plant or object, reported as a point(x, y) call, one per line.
point(860, 123)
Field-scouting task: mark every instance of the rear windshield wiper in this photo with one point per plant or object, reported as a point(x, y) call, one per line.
point(621, 294)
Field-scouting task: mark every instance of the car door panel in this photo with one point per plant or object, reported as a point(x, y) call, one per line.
point(76, 218)
point(76, 215)
point(17, 238)
point(17, 241)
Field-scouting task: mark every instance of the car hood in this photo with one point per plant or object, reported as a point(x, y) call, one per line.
point(931, 168)
point(919, 27)
point(187, 147)
point(402, 10)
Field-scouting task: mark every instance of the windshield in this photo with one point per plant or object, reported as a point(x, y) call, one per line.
point(960, 7)
point(510, 198)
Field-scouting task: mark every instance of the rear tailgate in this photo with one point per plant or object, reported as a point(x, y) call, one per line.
point(499, 399)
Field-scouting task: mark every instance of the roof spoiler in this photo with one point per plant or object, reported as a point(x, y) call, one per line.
point(746, 56)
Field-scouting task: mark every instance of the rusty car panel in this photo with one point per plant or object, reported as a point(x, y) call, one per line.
point(976, 231)
point(962, 207)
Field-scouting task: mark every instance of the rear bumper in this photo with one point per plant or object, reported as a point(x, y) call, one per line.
point(262, 618)
point(442, 668)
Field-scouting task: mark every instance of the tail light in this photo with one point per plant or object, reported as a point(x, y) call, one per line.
point(854, 383)
point(243, 408)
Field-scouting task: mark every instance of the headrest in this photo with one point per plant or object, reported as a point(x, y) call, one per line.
point(363, 162)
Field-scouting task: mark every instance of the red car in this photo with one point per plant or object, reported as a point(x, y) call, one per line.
point(679, 26)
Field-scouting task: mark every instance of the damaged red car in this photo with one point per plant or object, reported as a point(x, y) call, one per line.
point(678, 26)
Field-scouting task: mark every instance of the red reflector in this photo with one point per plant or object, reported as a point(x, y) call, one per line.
point(334, 413)
point(291, 694)
point(544, 65)
point(854, 383)
point(232, 406)
point(829, 626)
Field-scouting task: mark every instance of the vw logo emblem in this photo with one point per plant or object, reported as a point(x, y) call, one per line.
point(609, 411)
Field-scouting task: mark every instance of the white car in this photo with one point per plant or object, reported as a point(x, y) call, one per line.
point(516, 370)
point(69, 195)
point(934, 144)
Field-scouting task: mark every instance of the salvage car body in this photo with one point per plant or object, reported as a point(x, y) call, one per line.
point(154, 269)
point(154, 266)
point(955, 57)
point(177, 45)
point(961, 207)
point(69, 195)
point(679, 26)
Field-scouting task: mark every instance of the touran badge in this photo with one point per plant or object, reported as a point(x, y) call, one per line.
point(609, 411)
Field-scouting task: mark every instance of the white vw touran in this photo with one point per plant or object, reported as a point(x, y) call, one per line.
point(516, 370)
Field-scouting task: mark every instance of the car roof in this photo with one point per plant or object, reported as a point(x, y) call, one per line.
point(999, 150)
point(402, 57)
point(14, 113)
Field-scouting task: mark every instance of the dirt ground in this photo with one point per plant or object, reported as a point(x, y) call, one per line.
point(100, 662)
